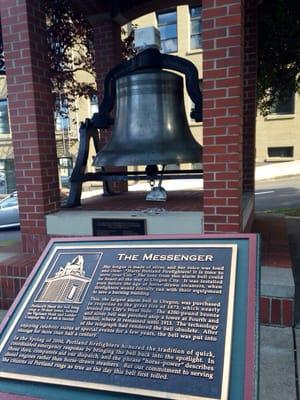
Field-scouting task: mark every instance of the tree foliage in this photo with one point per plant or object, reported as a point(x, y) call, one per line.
point(278, 51)
point(71, 49)
point(128, 49)
point(70, 40)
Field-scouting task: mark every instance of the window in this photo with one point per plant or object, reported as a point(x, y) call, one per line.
point(167, 25)
point(196, 27)
point(4, 121)
point(94, 104)
point(286, 105)
point(62, 119)
point(65, 165)
point(72, 292)
point(281, 152)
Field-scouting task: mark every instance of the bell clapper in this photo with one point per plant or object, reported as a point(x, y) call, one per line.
point(157, 193)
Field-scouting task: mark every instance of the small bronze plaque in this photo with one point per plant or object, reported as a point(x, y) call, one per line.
point(153, 320)
point(118, 227)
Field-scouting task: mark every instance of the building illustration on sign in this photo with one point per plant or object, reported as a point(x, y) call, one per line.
point(68, 285)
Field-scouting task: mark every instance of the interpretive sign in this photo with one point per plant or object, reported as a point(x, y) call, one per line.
point(118, 227)
point(148, 319)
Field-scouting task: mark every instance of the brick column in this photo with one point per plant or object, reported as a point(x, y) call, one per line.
point(107, 38)
point(31, 113)
point(250, 75)
point(223, 26)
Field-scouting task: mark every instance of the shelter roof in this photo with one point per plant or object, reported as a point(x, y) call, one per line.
point(122, 10)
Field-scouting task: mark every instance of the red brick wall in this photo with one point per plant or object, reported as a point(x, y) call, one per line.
point(31, 112)
point(107, 38)
point(223, 27)
point(277, 311)
point(250, 76)
point(13, 274)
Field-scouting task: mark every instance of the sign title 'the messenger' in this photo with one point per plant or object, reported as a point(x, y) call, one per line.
point(165, 257)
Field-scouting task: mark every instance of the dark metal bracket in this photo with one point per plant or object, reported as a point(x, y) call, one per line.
point(86, 132)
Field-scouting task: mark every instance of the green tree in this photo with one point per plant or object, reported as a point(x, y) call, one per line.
point(278, 51)
point(70, 39)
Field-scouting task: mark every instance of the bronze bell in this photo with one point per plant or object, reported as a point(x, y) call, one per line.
point(150, 122)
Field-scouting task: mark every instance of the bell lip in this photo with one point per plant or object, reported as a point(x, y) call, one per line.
point(106, 160)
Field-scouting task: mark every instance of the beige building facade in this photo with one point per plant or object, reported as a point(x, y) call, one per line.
point(67, 126)
point(277, 135)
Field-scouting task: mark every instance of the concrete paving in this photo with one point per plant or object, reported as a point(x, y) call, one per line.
point(277, 364)
point(277, 282)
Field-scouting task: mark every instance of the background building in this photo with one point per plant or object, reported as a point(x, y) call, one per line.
point(181, 34)
point(277, 137)
point(67, 122)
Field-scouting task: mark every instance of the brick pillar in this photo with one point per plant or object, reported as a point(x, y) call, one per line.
point(250, 75)
point(107, 38)
point(31, 113)
point(223, 28)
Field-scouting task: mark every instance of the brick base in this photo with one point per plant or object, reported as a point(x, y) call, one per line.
point(277, 303)
point(277, 311)
point(13, 273)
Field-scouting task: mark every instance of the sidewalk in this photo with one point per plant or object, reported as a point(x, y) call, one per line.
point(278, 363)
point(277, 170)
